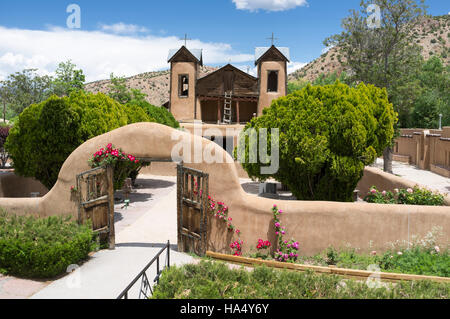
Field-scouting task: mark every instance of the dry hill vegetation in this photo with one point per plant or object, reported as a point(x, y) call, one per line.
point(155, 84)
point(432, 34)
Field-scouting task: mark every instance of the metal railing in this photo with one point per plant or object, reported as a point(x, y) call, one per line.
point(146, 287)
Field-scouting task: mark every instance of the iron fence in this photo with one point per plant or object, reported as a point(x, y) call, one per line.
point(145, 290)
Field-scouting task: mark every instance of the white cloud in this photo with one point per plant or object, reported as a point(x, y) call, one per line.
point(269, 5)
point(98, 53)
point(294, 66)
point(122, 28)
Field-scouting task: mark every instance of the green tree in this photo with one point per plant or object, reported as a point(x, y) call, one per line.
point(68, 79)
point(118, 89)
point(22, 89)
point(386, 54)
point(434, 95)
point(327, 134)
point(322, 79)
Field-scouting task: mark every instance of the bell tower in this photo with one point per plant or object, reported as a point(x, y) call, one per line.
point(184, 70)
point(272, 74)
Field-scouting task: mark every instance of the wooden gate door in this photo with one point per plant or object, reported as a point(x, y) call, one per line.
point(192, 200)
point(96, 201)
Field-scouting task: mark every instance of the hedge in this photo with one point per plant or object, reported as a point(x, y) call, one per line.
point(34, 247)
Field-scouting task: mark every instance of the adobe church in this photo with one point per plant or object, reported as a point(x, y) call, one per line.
point(227, 95)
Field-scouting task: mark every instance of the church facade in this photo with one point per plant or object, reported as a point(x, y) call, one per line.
point(227, 96)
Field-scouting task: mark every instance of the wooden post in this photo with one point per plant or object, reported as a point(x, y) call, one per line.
point(112, 233)
point(237, 112)
point(219, 112)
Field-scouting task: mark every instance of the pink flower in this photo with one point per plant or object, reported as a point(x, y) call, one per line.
point(436, 248)
point(280, 211)
point(373, 252)
point(373, 191)
point(384, 193)
point(277, 224)
point(396, 190)
point(409, 190)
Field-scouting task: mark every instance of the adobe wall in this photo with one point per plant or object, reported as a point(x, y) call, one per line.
point(317, 225)
point(427, 149)
point(12, 185)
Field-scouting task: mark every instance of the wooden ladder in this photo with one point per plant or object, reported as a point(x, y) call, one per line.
point(227, 107)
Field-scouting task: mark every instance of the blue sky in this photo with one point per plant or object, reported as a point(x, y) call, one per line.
point(129, 37)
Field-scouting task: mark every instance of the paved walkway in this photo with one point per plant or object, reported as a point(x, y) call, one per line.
point(141, 231)
point(422, 177)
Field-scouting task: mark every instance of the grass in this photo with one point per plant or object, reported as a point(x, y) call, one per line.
point(417, 260)
point(215, 280)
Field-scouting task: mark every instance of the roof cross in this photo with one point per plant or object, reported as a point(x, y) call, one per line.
point(186, 39)
point(272, 38)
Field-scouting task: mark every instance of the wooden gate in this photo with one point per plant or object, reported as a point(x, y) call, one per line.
point(96, 201)
point(192, 206)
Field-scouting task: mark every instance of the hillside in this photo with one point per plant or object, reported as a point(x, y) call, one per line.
point(155, 84)
point(432, 34)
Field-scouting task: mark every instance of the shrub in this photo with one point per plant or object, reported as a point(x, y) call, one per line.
point(42, 248)
point(410, 196)
point(212, 280)
point(48, 132)
point(160, 114)
point(327, 135)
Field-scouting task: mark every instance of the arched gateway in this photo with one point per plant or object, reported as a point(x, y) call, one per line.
point(316, 225)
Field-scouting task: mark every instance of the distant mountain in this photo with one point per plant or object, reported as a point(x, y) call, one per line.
point(155, 84)
point(432, 34)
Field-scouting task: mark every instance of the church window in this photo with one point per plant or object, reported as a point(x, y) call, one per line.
point(183, 83)
point(272, 81)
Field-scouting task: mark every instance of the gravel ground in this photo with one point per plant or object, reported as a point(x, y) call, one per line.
point(422, 177)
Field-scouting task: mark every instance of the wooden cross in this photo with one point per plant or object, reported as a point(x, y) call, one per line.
point(186, 39)
point(272, 38)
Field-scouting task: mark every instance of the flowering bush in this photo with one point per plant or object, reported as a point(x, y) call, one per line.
point(410, 196)
point(220, 211)
point(124, 164)
point(262, 248)
point(287, 251)
point(237, 247)
point(263, 244)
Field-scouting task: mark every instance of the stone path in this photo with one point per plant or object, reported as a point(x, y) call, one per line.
point(423, 177)
point(142, 229)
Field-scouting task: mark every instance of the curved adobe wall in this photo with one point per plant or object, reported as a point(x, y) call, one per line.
point(317, 225)
point(12, 185)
